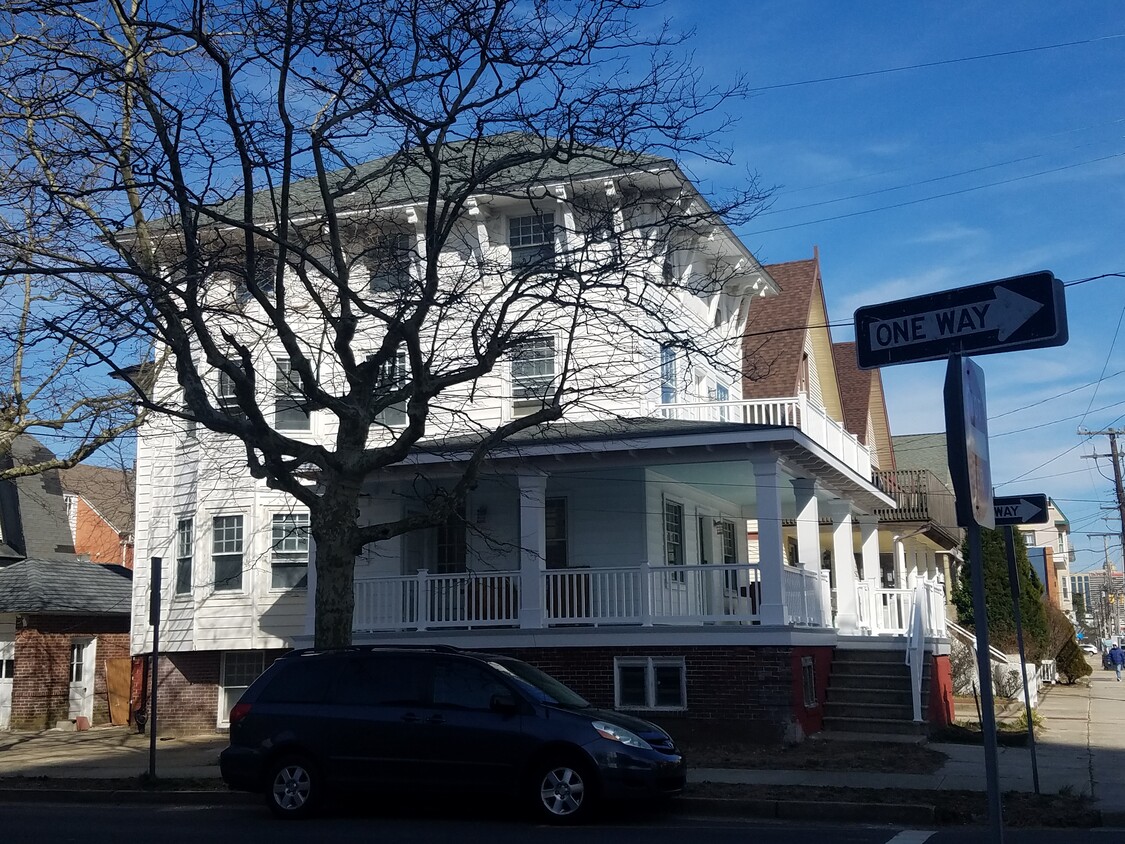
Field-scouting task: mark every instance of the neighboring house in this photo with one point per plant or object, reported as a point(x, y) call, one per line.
point(64, 622)
point(608, 549)
point(1050, 553)
point(99, 508)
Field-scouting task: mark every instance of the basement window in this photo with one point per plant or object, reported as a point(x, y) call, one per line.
point(808, 682)
point(658, 683)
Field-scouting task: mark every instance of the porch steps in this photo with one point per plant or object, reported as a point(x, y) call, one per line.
point(869, 693)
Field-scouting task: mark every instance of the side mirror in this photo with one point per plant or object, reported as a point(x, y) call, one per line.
point(504, 704)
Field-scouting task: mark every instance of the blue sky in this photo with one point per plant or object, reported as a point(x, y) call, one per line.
point(1030, 145)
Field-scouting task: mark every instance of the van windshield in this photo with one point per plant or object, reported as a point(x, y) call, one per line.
point(540, 685)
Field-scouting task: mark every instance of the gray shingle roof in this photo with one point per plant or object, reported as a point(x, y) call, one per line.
point(923, 451)
point(32, 511)
point(64, 587)
point(500, 163)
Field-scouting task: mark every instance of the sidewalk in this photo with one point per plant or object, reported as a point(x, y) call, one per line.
point(1080, 750)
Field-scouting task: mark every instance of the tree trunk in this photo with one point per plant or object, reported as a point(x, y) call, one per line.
point(334, 532)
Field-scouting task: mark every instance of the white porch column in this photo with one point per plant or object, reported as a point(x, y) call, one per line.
point(533, 546)
point(771, 562)
point(931, 564)
point(843, 567)
point(808, 524)
point(900, 563)
point(912, 570)
point(869, 553)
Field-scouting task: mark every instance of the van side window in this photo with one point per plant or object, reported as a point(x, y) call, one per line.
point(301, 681)
point(462, 685)
point(381, 681)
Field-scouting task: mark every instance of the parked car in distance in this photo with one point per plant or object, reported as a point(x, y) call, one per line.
point(1090, 649)
point(437, 720)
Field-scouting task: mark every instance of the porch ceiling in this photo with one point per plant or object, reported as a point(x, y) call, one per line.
point(715, 457)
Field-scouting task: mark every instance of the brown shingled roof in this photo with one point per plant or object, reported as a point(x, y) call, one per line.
point(109, 491)
point(855, 389)
point(771, 361)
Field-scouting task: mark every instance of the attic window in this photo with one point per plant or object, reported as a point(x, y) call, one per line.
point(264, 276)
point(389, 262)
point(532, 240)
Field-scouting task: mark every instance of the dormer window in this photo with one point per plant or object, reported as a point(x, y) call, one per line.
point(389, 261)
point(264, 276)
point(532, 240)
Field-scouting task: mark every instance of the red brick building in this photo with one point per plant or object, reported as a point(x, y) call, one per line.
point(64, 622)
point(99, 509)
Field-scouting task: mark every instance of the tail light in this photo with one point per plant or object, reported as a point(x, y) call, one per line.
point(240, 711)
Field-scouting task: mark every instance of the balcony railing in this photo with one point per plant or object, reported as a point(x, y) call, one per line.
point(921, 497)
point(796, 412)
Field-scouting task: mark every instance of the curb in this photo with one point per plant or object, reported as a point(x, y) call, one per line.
point(123, 796)
point(816, 810)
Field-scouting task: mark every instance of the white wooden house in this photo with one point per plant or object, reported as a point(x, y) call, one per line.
point(608, 548)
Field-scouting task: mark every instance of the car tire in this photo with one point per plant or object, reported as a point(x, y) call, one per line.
point(293, 788)
point(564, 790)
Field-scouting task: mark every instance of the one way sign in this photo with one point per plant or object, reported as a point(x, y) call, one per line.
point(1022, 312)
point(1021, 510)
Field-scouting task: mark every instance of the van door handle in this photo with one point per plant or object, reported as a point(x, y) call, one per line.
point(436, 719)
point(411, 718)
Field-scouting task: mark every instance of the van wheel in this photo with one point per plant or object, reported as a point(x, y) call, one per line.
point(565, 791)
point(293, 788)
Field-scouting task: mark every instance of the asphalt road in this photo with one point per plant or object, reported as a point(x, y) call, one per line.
point(169, 824)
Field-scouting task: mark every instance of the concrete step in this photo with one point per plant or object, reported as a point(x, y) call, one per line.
point(873, 725)
point(839, 694)
point(864, 655)
point(878, 711)
point(872, 681)
point(882, 668)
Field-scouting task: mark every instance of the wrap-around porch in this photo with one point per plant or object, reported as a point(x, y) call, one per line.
point(546, 533)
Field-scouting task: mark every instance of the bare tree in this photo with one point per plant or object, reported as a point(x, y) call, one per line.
point(54, 388)
point(300, 199)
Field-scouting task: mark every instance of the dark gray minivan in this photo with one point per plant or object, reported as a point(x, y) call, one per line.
point(434, 719)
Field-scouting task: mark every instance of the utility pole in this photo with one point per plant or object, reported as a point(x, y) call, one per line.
point(1113, 608)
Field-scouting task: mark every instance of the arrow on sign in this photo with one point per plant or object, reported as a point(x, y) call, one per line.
point(1005, 313)
point(1021, 510)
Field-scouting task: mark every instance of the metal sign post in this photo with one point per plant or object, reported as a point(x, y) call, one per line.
point(154, 620)
point(966, 428)
point(1014, 584)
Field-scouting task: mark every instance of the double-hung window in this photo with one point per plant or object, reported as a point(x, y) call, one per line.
point(227, 398)
point(264, 275)
point(393, 376)
point(532, 240)
point(667, 374)
point(290, 409)
point(185, 530)
point(289, 557)
point(533, 368)
point(722, 394)
point(227, 545)
point(674, 536)
point(389, 262)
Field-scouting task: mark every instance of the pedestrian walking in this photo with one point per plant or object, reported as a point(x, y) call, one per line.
point(1117, 659)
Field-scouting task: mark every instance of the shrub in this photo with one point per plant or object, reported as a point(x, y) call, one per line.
point(1072, 663)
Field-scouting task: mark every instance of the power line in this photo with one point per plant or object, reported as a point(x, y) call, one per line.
point(939, 63)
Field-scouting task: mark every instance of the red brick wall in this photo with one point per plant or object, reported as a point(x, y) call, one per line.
point(187, 694)
point(811, 719)
point(940, 711)
point(734, 693)
point(94, 537)
point(41, 686)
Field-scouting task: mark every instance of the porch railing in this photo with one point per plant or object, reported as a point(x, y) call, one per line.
point(796, 412)
point(888, 611)
point(641, 595)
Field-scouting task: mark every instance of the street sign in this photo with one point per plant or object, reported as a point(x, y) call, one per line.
point(1020, 510)
point(966, 425)
point(1022, 312)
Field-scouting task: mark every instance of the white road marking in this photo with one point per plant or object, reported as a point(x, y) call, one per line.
point(913, 836)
